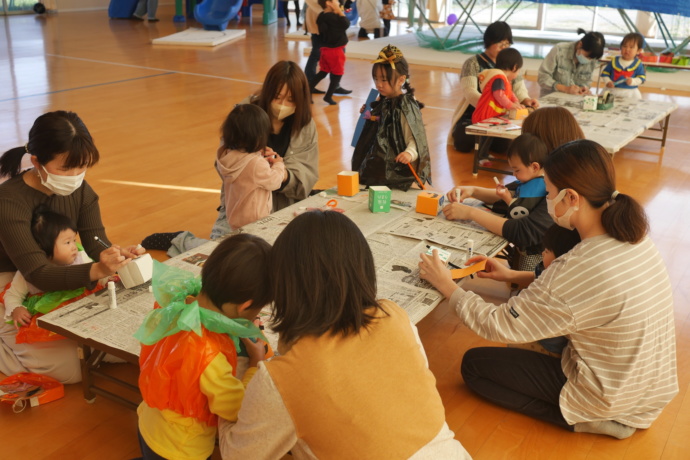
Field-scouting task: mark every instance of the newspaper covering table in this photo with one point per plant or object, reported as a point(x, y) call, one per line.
point(396, 239)
point(613, 129)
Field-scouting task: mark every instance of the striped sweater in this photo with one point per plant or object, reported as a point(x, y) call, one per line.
point(613, 302)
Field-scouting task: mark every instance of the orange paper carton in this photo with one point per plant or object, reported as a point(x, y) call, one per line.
point(429, 203)
point(348, 183)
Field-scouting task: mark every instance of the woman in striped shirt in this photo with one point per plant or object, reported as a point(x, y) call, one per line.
point(610, 296)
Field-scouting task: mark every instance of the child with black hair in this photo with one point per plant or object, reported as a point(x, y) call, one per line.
point(497, 90)
point(333, 27)
point(520, 214)
point(392, 146)
point(190, 344)
point(248, 177)
point(625, 73)
point(56, 235)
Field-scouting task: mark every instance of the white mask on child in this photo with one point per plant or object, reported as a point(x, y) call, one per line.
point(564, 220)
point(281, 111)
point(61, 185)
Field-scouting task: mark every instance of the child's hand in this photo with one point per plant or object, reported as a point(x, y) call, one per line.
point(629, 81)
point(274, 160)
point(458, 194)
point(269, 152)
point(517, 106)
point(404, 158)
point(504, 194)
point(363, 108)
point(255, 350)
point(610, 85)
point(458, 211)
point(21, 317)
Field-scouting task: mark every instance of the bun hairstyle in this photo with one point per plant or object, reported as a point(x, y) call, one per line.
point(394, 65)
point(584, 166)
point(592, 42)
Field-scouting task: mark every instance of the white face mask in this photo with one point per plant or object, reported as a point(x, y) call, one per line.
point(61, 185)
point(582, 59)
point(564, 220)
point(281, 111)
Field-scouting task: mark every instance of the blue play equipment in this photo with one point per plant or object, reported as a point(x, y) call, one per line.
point(122, 9)
point(215, 14)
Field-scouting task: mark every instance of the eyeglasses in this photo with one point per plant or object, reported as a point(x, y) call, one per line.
point(504, 44)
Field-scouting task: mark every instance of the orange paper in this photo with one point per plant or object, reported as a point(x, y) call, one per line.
point(463, 272)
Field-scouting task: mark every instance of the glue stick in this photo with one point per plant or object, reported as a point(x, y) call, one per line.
point(111, 294)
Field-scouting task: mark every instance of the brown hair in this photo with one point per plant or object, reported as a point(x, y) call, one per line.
point(237, 271)
point(52, 134)
point(636, 38)
point(324, 278)
point(584, 166)
point(281, 74)
point(246, 129)
point(553, 125)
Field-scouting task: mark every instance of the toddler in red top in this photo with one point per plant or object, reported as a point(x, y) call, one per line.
point(497, 91)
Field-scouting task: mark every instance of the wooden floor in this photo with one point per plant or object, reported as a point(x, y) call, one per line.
point(155, 114)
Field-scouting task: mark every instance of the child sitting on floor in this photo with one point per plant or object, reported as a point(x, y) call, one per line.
point(189, 348)
point(495, 84)
point(625, 73)
point(522, 202)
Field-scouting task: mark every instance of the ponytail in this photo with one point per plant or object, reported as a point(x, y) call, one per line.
point(625, 220)
point(11, 162)
point(410, 90)
point(585, 167)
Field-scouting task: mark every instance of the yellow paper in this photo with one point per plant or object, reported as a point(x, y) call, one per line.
point(463, 272)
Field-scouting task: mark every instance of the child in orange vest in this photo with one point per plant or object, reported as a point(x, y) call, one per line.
point(497, 91)
point(189, 365)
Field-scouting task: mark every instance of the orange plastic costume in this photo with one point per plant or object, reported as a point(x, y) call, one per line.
point(171, 369)
point(487, 107)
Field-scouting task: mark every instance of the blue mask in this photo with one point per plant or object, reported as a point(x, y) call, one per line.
point(582, 60)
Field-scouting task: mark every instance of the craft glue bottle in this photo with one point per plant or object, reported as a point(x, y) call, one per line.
point(111, 294)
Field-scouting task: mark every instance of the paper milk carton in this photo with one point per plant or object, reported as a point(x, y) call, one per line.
point(137, 272)
point(348, 183)
point(379, 198)
point(589, 102)
point(429, 203)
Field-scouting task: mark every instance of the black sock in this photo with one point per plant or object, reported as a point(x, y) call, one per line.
point(335, 82)
point(317, 79)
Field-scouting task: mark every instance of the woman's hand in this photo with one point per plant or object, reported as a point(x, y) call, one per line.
point(458, 211)
point(133, 251)
point(255, 350)
point(434, 270)
point(583, 90)
point(459, 194)
point(494, 269)
point(110, 261)
point(404, 158)
point(274, 160)
point(572, 89)
point(269, 152)
point(529, 102)
point(21, 317)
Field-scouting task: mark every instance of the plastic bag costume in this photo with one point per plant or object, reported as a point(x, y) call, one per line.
point(382, 139)
point(180, 340)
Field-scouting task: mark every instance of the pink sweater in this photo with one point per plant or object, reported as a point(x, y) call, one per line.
point(248, 180)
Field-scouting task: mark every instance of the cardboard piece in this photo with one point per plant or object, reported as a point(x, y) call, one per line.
point(137, 272)
point(379, 198)
point(373, 94)
point(429, 203)
point(463, 272)
point(518, 114)
point(348, 183)
point(589, 102)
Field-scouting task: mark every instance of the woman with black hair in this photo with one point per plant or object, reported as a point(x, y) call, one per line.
point(568, 67)
point(497, 36)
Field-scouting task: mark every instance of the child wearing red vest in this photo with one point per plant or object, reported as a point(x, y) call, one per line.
point(497, 91)
point(190, 343)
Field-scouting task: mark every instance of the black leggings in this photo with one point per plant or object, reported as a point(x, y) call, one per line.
point(520, 380)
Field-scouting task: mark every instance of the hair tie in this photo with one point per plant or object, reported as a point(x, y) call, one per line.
point(614, 195)
point(26, 148)
point(389, 54)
